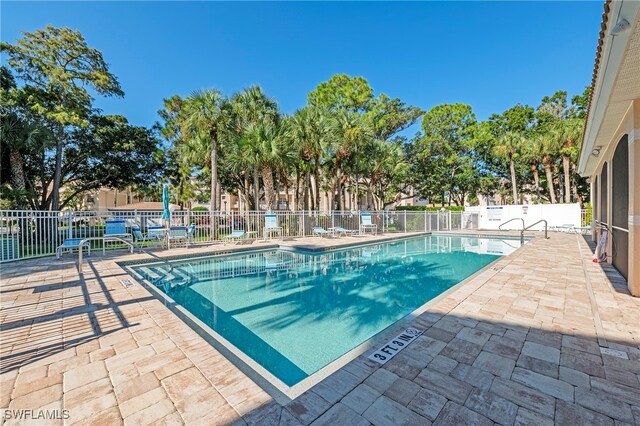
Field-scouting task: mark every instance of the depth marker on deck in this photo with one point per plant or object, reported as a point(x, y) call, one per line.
point(395, 345)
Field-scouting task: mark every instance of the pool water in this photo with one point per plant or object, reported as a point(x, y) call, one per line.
point(294, 312)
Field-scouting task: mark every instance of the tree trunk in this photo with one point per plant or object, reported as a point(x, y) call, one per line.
point(214, 174)
point(547, 171)
point(339, 188)
point(267, 179)
point(514, 188)
point(57, 174)
point(574, 186)
point(256, 189)
point(560, 194)
point(313, 194)
point(218, 194)
point(356, 205)
point(317, 174)
point(17, 174)
point(247, 192)
point(536, 179)
point(296, 193)
point(368, 197)
point(305, 200)
point(567, 184)
point(285, 181)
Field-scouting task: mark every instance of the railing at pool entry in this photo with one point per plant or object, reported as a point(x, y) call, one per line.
point(28, 234)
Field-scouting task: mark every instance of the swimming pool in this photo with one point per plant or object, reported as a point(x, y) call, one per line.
point(295, 312)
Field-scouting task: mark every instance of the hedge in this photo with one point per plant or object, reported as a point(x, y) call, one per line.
point(430, 208)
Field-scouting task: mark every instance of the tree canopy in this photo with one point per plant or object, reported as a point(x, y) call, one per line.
point(53, 136)
point(346, 148)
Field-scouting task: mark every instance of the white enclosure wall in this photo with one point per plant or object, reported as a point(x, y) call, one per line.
point(490, 217)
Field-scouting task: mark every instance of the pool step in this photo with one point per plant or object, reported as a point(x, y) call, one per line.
point(175, 278)
point(151, 275)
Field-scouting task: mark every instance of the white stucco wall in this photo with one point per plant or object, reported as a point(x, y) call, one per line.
point(555, 214)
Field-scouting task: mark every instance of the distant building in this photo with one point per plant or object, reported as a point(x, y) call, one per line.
point(108, 198)
point(145, 206)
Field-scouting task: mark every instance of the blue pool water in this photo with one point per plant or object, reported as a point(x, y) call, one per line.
point(294, 313)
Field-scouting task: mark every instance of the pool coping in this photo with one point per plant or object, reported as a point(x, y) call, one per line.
point(278, 390)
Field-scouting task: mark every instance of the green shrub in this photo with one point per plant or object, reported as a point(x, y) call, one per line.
point(200, 209)
point(430, 208)
point(588, 217)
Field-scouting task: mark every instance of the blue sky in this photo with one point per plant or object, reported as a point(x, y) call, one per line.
point(490, 55)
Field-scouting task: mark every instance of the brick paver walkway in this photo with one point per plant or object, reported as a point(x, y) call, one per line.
point(542, 336)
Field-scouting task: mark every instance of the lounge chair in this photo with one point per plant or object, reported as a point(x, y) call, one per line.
point(115, 230)
point(565, 227)
point(71, 244)
point(177, 233)
point(156, 231)
point(191, 233)
point(319, 231)
point(271, 225)
point(140, 238)
point(582, 229)
point(365, 223)
point(235, 235)
point(345, 232)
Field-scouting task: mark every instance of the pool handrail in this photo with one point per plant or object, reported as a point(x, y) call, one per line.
point(534, 224)
point(511, 220)
point(84, 240)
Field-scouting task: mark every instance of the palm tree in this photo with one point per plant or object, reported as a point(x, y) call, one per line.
point(549, 149)
point(251, 107)
point(206, 120)
point(309, 132)
point(19, 136)
point(386, 165)
point(353, 131)
point(532, 153)
point(264, 149)
point(508, 147)
point(569, 133)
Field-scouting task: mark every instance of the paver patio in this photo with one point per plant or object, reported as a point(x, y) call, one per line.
point(540, 336)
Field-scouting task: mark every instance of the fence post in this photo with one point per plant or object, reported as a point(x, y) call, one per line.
point(70, 225)
point(304, 228)
point(425, 220)
point(450, 227)
point(384, 219)
point(405, 221)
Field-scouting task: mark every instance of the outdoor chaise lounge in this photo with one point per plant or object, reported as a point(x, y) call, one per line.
point(565, 227)
point(343, 231)
point(582, 229)
point(365, 223)
point(235, 235)
point(179, 234)
point(156, 231)
point(116, 230)
point(140, 238)
point(71, 244)
point(271, 225)
point(191, 233)
point(319, 231)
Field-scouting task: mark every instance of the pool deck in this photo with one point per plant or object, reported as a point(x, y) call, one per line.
point(539, 337)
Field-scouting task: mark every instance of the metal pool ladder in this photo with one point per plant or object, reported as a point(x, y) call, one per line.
point(525, 228)
point(532, 225)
